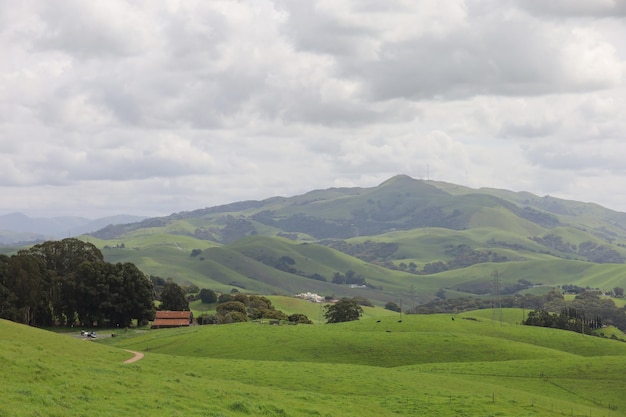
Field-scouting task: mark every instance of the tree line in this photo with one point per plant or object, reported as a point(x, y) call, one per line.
point(68, 282)
point(549, 309)
point(568, 319)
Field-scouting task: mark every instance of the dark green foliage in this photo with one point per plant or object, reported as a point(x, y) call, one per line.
point(392, 306)
point(258, 301)
point(242, 298)
point(208, 296)
point(229, 306)
point(286, 263)
point(350, 277)
point(236, 229)
point(317, 277)
point(299, 318)
point(195, 252)
point(569, 319)
point(173, 298)
point(224, 298)
point(209, 319)
point(464, 256)
point(67, 281)
point(235, 317)
point(453, 305)
point(588, 250)
point(368, 251)
point(538, 217)
point(600, 253)
point(272, 314)
point(343, 310)
point(339, 278)
point(555, 242)
point(573, 289)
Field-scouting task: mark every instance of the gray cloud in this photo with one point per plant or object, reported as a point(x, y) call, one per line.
point(150, 108)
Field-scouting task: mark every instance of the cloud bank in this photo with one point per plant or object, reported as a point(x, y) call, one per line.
point(156, 107)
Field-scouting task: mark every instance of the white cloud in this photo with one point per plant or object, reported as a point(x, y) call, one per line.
point(155, 107)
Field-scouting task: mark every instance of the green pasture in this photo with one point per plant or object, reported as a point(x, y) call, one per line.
point(423, 365)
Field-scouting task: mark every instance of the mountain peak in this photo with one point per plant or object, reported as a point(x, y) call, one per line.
point(400, 179)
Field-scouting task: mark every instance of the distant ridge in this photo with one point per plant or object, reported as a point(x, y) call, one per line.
point(404, 236)
point(399, 203)
point(20, 228)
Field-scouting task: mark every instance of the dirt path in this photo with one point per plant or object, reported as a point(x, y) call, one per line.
point(138, 356)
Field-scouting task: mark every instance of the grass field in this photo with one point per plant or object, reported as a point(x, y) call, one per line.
point(424, 365)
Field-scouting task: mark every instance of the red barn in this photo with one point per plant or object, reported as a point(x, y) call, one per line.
point(165, 319)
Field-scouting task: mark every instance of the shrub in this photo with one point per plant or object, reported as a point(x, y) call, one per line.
point(209, 319)
point(235, 317)
point(392, 306)
point(299, 318)
point(231, 306)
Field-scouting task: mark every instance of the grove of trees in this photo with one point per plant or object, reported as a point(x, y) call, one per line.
point(236, 308)
point(68, 282)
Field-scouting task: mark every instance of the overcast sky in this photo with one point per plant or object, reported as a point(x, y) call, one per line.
point(154, 107)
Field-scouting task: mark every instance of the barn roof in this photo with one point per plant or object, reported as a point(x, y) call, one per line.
point(172, 319)
point(166, 314)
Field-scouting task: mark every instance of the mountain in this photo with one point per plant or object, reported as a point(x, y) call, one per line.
point(17, 227)
point(404, 239)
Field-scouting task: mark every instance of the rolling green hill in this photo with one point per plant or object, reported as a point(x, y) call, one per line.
point(423, 365)
point(407, 238)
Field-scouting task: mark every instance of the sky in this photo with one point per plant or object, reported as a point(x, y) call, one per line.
point(156, 107)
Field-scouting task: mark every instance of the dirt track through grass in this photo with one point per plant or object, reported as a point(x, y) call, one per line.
point(138, 356)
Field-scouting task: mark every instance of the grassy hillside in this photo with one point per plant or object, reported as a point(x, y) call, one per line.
point(424, 365)
point(392, 235)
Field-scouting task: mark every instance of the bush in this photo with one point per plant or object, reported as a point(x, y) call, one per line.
point(224, 298)
point(272, 314)
point(392, 306)
point(299, 318)
point(235, 317)
point(209, 319)
point(231, 306)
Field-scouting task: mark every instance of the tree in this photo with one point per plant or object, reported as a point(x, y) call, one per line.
point(392, 306)
point(173, 298)
point(343, 310)
point(208, 296)
point(64, 256)
point(339, 278)
point(618, 291)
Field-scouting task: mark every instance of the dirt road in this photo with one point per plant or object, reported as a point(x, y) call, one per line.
point(138, 356)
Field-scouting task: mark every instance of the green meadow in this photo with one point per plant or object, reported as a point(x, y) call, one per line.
point(479, 363)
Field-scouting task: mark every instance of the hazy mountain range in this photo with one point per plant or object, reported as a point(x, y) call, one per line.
point(18, 228)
